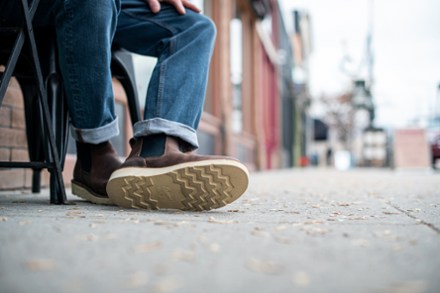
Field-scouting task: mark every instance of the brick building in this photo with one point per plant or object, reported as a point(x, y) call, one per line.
point(244, 115)
point(13, 144)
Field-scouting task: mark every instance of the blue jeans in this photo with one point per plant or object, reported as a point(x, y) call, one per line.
point(183, 46)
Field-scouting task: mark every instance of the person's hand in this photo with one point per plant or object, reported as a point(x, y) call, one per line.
point(180, 5)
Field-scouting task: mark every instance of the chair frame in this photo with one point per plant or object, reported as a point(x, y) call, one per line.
point(25, 33)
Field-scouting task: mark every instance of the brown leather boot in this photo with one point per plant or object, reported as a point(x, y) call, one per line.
point(94, 165)
point(176, 180)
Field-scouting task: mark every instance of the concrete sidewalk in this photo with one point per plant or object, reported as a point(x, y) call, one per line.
point(293, 231)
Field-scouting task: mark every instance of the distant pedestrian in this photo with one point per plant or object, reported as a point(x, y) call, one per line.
point(329, 156)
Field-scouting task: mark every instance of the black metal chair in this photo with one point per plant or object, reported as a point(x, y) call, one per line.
point(122, 69)
point(31, 56)
point(23, 40)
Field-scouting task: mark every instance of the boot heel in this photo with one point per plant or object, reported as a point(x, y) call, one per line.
point(82, 192)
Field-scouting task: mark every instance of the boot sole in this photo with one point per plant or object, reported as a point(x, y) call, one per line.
point(194, 186)
point(82, 192)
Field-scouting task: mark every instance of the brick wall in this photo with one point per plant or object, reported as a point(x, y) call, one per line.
point(13, 143)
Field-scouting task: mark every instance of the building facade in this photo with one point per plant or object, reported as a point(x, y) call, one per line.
point(249, 106)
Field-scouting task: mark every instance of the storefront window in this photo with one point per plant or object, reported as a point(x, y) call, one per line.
point(236, 59)
point(206, 5)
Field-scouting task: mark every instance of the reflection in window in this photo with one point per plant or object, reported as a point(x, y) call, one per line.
point(236, 30)
point(206, 7)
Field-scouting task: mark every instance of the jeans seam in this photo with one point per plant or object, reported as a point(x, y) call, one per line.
point(161, 88)
point(162, 78)
point(70, 62)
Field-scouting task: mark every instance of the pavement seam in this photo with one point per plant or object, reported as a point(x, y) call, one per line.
point(418, 220)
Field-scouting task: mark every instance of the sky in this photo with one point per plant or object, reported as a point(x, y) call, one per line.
point(406, 47)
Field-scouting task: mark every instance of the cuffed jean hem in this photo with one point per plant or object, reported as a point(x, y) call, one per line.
point(171, 128)
point(96, 135)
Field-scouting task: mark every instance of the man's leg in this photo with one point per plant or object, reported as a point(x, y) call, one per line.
point(183, 45)
point(161, 172)
point(85, 30)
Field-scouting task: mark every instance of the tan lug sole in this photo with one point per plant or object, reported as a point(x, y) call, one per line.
point(82, 192)
point(194, 186)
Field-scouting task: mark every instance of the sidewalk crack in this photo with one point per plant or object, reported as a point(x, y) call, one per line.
point(418, 220)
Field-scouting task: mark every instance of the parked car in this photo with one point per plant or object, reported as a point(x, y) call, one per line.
point(433, 132)
point(435, 150)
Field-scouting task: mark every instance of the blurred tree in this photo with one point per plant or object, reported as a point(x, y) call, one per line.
point(339, 115)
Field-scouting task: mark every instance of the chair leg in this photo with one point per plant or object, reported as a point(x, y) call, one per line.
point(59, 114)
point(33, 134)
point(56, 191)
point(133, 105)
point(57, 107)
point(36, 180)
point(122, 70)
point(37, 138)
point(51, 151)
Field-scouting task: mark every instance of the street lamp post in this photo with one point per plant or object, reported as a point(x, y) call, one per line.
point(363, 129)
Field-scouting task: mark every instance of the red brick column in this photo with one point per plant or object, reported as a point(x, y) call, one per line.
point(13, 144)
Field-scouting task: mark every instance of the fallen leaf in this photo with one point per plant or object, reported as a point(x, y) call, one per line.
point(301, 279)
point(144, 248)
point(361, 242)
point(184, 255)
point(283, 240)
point(88, 237)
point(168, 284)
point(281, 227)
point(260, 233)
point(265, 267)
point(214, 247)
point(40, 265)
point(214, 220)
point(416, 286)
point(137, 280)
point(167, 224)
point(73, 213)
